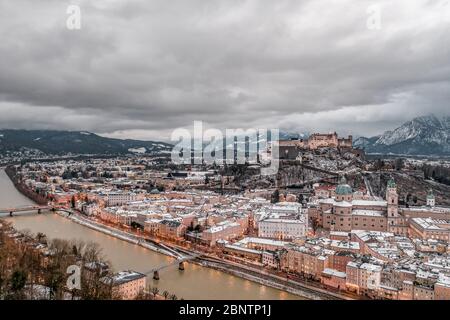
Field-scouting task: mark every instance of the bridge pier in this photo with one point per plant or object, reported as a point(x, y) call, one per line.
point(181, 266)
point(155, 275)
point(10, 213)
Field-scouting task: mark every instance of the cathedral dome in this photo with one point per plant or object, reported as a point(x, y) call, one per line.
point(343, 188)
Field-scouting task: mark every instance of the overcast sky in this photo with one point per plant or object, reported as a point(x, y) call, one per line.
point(140, 68)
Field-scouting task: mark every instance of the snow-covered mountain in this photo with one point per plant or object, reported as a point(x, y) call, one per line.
point(363, 142)
point(426, 135)
point(76, 142)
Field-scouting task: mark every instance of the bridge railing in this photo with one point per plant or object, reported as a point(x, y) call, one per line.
point(172, 263)
point(24, 208)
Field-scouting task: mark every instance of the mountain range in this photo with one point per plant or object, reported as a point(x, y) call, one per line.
point(425, 135)
point(51, 142)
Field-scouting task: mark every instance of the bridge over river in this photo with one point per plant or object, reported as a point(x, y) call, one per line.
point(162, 266)
point(25, 208)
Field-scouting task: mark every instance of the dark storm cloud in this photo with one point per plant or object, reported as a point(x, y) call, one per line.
point(142, 68)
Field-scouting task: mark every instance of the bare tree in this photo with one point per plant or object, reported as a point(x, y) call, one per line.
point(155, 291)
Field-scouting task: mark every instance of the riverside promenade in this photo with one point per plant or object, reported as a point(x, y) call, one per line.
point(247, 272)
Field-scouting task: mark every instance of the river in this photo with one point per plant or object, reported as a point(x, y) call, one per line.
point(195, 282)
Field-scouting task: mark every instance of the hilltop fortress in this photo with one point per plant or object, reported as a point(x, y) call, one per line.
point(289, 149)
point(320, 140)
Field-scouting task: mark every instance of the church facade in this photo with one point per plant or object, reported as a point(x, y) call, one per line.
point(346, 213)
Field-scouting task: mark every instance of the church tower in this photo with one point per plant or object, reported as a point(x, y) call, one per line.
point(431, 201)
point(392, 201)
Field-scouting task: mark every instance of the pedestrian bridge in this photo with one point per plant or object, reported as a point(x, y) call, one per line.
point(25, 208)
point(180, 261)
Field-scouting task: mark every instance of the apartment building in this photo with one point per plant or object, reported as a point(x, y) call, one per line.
point(126, 284)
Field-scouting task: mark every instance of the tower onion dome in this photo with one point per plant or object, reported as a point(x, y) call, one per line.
point(430, 194)
point(391, 183)
point(343, 188)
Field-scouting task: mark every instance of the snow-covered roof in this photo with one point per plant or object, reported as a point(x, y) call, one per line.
point(372, 213)
point(123, 277)
point(334, 272)
point(380, 203)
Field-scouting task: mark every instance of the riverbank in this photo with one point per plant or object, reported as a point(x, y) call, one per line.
point(116, 233)
point(223, 266)
point(197, 282)
point(266, 282)
point(23, 189)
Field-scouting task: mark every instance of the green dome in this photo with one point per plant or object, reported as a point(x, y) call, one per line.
point(154, 191)
point(343, 188)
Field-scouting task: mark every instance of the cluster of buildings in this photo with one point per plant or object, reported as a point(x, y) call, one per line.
point(377, 264)
point(348, 241)
point(117, 194)
point(341, 209)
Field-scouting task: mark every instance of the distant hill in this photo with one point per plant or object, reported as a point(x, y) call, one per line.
point(426, 135)
point(76, 142)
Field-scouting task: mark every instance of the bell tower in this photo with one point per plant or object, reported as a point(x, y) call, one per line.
point(431, 201)
point(392, 202)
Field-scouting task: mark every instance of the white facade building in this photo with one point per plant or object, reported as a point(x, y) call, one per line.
point(119, 198)
point(283, 228)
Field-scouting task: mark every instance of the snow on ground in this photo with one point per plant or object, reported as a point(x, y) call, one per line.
point(137, 150)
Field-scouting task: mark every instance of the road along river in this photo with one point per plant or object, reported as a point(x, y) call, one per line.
point(195, 282)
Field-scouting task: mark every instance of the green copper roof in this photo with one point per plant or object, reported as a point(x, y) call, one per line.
point(343, 188)
point(391, 183)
